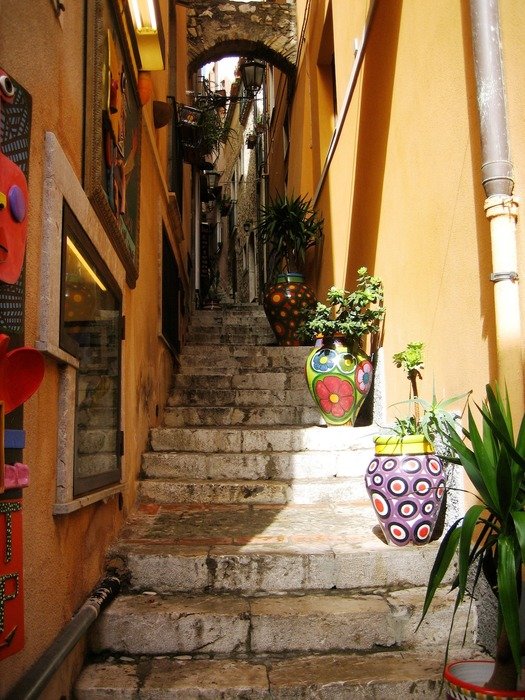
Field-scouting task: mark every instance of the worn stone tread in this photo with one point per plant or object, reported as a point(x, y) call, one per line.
point(380, 675)
point(296, 415)
point(268, 491)
point(261, 439)
point(246, 398)
point(234, 381)
point(282, 466)
point(317, 621)
point(263, 547)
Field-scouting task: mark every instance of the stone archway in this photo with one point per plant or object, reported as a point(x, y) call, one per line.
point(265, 30)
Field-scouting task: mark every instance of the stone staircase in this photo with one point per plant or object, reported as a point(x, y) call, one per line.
point(255, 565)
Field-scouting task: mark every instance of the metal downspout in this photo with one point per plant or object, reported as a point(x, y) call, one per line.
point(34, 681)
point(501, 206)
point(197, 235)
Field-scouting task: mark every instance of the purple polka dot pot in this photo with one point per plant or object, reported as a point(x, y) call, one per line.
point(406, 485)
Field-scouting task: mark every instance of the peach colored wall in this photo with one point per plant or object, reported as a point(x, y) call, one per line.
point(64, 555)
point(310, 135)
point(512, 18)
point(424, 231)
point(403, 193)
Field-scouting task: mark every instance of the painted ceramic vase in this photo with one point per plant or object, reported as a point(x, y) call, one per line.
point(406, 484)
point(339, 378)
point(283, 304)
point(465, 680)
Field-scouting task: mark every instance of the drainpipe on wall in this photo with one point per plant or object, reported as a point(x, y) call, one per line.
point(35, 680)
point(501, 206)
point(197, 234)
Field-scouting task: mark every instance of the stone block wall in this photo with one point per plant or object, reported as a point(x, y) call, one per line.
point(267, 30)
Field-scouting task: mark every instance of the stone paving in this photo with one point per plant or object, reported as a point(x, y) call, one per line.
point(254, 565)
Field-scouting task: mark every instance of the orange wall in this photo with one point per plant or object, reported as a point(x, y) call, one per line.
point(512, 18)
point(403, 193)
point(64, 555)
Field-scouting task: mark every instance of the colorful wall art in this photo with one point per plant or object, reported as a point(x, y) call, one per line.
point(21, 373)
point(15, 130)
point(112, 156)
point(21, 369)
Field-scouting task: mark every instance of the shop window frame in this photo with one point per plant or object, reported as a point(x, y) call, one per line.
point(61, 184)
point(71, 228)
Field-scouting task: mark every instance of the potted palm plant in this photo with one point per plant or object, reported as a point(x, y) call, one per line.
point(405, 480)
point(338, 370)
point(289, 226)
point(488, 541)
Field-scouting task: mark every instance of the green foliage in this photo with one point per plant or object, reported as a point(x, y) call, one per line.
point(491, 535)
point(433, 419)
point(410, 359)
point(289, 226)
point(213, 131)
point(349, 314)
point(428, 418)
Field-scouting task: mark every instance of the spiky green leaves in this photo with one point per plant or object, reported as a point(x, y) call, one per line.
point(290, 226)
point(491, 536)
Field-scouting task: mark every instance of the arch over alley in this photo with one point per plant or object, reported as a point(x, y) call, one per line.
point(265, 30)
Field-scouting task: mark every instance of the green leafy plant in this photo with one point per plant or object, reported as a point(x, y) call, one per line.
point(428, 418)
point(490, 537)
point(348, 314)
point(290, 226)
point(411, 361)
point(213, 131)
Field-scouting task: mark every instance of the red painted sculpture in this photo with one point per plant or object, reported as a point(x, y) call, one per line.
point(13, 204)
point(21, 372)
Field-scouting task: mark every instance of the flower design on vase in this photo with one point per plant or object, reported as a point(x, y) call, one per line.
point(324, 360)
point(347, 362)
point(335, 395)
point(364, 376)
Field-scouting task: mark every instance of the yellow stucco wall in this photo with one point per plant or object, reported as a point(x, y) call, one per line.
point(64, 555)
point(512, 17)
point(403, 192)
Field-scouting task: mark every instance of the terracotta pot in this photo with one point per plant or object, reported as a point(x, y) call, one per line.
point(162, 113)
point(465, 680)
point(406, 485)
point(339, 378)
point(283, 303)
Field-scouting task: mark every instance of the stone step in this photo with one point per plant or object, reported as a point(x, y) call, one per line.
point(247, 440)
point(269, 381)
point(274, 352)
point(284, 466)
point(230, 337)
point(207, 359)
point(318, 622)
point(237, 321)
point(264, 548)
point(381, 675)
point(249, 491)
point(181, 416)
point(242, 397)
point(228, 312)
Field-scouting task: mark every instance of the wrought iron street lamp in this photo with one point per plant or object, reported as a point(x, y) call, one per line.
point(212, 179)
point(252, 76)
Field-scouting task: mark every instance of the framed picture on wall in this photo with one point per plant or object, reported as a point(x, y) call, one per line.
point(112, 131)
